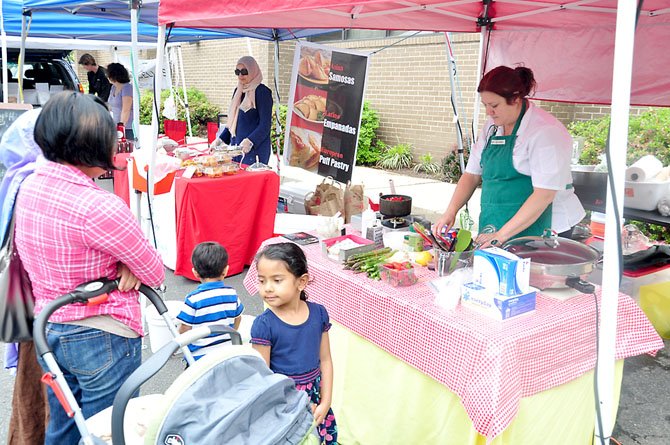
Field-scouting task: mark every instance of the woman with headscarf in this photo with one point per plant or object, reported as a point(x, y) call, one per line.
point(249, 115)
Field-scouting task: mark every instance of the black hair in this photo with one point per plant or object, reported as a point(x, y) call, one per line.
point(76, 129)
point(209, 259)
point(509, 83)
point(291, 255)
point(117, 73)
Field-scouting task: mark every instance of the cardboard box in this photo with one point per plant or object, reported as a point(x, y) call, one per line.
point(499, 307)
point(501, 271)
point(344, 254)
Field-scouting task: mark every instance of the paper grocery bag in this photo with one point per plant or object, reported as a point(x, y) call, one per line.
point(332, 203)
point(326, 200)
point(354, 201)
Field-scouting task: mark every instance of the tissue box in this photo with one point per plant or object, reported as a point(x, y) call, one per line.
point(365, 246)
point(501, 271)
point(500, 307)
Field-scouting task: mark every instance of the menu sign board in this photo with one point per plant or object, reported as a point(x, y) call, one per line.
point(324, 111)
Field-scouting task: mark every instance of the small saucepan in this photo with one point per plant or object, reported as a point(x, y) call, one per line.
point(556, 262)
point(395, 206)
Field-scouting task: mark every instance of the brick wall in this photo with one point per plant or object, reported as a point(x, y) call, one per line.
point(408, 83)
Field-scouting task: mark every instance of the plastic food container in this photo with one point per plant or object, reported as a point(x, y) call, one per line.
point(397, 277)
point(230, 168)
point(645, 195)
point(364, 245)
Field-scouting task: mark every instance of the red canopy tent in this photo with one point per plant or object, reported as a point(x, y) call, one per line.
point(569, 44)
point(580, 50)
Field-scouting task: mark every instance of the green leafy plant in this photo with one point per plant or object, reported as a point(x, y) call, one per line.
point(451, 166)
point(277, 137)
point(426, 164)
point(648, 133)
point(200, 108)
point(369, 147)
point(655, 232)
point(396, 157)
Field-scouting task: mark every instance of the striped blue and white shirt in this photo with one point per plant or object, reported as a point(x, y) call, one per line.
point(210, 303)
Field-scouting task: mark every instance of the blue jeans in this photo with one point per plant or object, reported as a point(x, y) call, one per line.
point(95, 364)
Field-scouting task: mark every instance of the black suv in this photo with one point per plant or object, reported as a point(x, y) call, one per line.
point(50, 67)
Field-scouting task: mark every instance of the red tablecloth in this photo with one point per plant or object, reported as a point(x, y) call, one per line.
point(237, 211)
point(489, 364)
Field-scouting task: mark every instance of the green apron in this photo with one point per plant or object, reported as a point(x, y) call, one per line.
point(504, 189)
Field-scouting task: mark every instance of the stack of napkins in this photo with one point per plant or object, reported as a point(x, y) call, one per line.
point(500, 285)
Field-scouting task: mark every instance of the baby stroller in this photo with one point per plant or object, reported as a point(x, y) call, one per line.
point(226, 397)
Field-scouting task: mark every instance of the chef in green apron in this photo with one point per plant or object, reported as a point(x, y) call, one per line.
point(522, 160)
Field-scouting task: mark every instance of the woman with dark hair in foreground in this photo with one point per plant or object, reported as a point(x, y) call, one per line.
point(69, 231)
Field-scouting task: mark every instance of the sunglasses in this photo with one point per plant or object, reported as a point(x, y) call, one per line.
point(243, 72)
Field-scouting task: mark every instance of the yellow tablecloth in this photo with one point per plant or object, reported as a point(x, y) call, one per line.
point(381, 400)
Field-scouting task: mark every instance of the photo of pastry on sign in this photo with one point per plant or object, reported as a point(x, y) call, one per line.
point(305, 148)
point(311, 108)
point(314, 65)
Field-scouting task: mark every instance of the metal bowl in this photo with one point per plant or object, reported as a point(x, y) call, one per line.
point(553, 260)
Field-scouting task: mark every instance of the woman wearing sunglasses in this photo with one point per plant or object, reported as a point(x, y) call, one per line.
point(249, 115)
point(522, 158)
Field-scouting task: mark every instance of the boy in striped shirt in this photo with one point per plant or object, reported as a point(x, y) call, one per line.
point(212, 302)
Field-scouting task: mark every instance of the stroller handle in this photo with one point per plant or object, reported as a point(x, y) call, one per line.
point(91, 292)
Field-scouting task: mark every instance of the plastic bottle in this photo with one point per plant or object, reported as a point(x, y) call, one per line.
point(368, 218)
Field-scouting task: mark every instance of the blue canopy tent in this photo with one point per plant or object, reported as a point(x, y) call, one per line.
point(148, 14)
point(17, 20)
point(143, 14)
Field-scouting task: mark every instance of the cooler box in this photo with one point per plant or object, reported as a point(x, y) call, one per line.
point(292, 197)
point(645, 195)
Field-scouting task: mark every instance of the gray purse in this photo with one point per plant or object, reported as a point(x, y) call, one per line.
point(16, 294)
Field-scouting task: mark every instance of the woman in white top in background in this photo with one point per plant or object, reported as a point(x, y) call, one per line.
point(522, 159)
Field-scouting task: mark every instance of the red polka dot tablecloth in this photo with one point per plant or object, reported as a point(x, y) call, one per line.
point(489, 364)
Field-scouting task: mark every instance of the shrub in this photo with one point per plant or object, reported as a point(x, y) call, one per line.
point(451, 166)
point(369, 147)
point(201, 110)
point(648, 133)
point(655, 232)
point(396, 157)
point(427, 165)
point(278, 137)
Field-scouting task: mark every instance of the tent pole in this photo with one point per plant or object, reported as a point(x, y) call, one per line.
point(180, 63)
point(454, 101)
point(277, 99)
point(480, 62)
point(621, 88)
point(134, 9)
point(158, 87)
point(22, 54)
point(3, 35)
